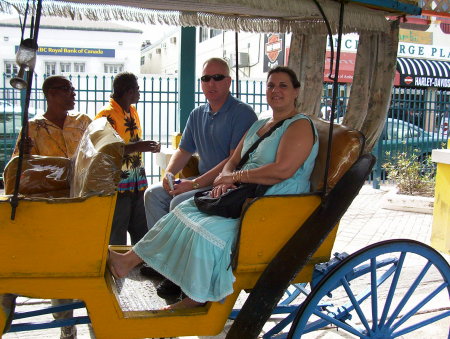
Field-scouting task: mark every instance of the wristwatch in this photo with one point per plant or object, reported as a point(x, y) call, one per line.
point(195, 184)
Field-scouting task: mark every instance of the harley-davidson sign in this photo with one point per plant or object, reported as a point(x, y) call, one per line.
point(424, 81)
point(274, 51)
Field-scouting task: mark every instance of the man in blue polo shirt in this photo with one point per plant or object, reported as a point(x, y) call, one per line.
point(213, 130)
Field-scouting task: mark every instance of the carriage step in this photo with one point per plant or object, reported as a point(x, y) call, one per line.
point(31, 326)
point(52, 324)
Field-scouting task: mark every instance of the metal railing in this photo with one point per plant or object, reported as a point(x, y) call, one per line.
point(425, 111)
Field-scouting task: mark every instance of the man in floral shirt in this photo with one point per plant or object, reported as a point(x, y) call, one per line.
point(129, 215)
point(56, 133)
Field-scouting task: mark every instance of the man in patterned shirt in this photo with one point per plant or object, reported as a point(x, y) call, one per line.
point(56, 133)
point(129, 215)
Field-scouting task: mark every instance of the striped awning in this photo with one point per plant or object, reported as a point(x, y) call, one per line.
point(423, 72)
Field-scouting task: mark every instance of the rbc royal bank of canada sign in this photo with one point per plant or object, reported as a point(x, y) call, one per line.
point(76, 51)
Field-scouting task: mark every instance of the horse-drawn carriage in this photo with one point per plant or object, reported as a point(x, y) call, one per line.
point(282, 238)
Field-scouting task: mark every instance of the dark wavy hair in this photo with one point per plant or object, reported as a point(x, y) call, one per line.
point(288, 71)
point(122, 83)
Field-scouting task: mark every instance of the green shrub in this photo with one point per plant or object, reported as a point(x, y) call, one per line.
point(413, 174)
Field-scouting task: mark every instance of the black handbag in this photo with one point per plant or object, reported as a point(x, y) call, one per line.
point(229, 204)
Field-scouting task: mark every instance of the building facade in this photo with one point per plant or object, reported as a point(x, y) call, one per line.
point(428, 43)
point(74, 47)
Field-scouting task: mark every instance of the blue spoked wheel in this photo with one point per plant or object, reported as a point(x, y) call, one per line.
point(383, 301)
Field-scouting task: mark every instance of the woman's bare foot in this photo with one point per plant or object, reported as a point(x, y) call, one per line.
point(114, 260)
point(121, 264)
point(183, 304)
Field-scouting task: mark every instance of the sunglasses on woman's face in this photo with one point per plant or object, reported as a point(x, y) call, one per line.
point(215, 77)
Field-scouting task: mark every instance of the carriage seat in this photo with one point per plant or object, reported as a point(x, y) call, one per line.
point(98, 162)
point(95, 169)
point(346, 148)
point(270, 221)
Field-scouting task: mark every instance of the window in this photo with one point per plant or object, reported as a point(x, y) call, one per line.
point(203, 34)
point(214, 32)
point(206, 33)
point(50, 68)
point(150, 56)
point(65, 67)
point(113, 68)
point(142, 60)
point(79, 67)
point(11, 68)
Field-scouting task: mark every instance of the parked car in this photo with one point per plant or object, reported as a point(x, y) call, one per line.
point(9, 107)
point(402, 136)
point(414, 115)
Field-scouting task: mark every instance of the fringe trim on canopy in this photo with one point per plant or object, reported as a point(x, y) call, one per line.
point(297, 15)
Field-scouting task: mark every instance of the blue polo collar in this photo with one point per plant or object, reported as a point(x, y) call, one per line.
point(225, 107)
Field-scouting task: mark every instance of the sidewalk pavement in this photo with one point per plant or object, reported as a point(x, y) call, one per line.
point(366, 222)
point(363, 224)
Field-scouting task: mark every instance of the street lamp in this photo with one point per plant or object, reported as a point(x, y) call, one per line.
point(26, 59)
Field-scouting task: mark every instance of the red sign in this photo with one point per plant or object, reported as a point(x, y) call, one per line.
point(346, 66)
point(408, 80)
point(273, 47)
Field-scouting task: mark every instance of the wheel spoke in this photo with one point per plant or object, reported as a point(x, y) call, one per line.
point(374, 294)
point(291, 296)
point(338, 323)
point(394, 283)
point(421, 324)
point(279, 327)
point(355, 304)
point(419, 305)
point(408, 294)
point(396, 294)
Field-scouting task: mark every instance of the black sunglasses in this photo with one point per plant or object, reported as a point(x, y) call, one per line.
point(64, 88)
point(215, 77)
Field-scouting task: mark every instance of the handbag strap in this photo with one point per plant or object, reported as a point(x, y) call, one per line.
point(257, 142)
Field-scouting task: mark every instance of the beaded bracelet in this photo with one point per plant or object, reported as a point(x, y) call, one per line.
point(236, 176)
point(233, 176)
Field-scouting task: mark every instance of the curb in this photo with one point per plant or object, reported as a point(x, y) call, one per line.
point(407, 203)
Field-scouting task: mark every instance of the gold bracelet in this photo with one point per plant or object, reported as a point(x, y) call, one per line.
point(248, 178)
point(237, 176)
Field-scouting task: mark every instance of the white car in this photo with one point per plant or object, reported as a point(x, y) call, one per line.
point(10, 107)
point(10, 125)
point(11, 117)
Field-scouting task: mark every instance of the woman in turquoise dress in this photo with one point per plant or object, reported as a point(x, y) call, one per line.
point(193, 249)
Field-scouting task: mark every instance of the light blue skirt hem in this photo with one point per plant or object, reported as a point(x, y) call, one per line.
point(161, 269)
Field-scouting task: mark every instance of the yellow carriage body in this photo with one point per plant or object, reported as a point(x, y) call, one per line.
point(57, 248)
